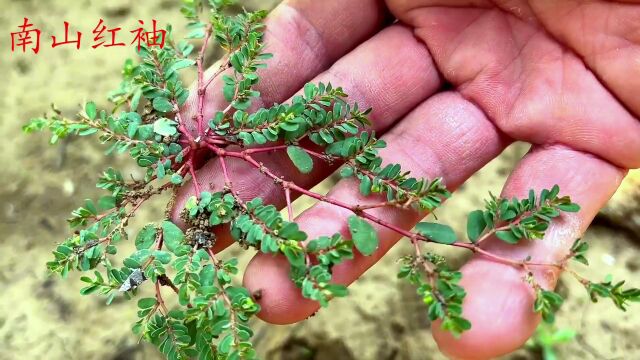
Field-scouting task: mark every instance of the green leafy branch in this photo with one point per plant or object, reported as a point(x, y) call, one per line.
point(439, 289)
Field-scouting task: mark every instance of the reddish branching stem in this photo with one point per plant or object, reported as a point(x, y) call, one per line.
point(224, 65)
point(194, 177)
point(359, 210)
point(287, 196)
point(202, 88)
point(218, 144)
point(160, 300)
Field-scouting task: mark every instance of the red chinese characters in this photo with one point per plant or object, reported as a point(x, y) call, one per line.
point(28, 37)
point(98, 38)
point(25, 37)
point(66, 40)
point(151, 38)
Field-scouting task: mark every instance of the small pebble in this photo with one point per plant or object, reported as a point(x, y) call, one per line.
point(68, 187)
point(608, 259)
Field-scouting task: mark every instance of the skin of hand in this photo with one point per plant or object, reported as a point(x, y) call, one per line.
point(452, 83)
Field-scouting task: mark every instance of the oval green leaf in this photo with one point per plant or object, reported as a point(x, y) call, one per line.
point(439, 233)
point(172, 235)
point(300, 159)
point(364, 236)
point(146, 237)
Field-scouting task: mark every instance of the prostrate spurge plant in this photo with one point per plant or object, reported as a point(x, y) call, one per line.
point(210, 318)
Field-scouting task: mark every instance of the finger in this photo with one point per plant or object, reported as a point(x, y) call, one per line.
point(610, 48)
point(528, 84)
point(445, 136)
point(306, 37)
point(499, 303)
point(375, 75)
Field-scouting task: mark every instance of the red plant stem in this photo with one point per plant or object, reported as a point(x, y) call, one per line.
point(195, 181)
point(223, 67)
point(265, 149)
point(194, 178)
point(160, 299)
point(287, 195)
point(202, 89)
point(315, 154)
point(220, 70)
point(381, 204)
point(493, 231)
point(520, 263)
point(181, 126)
point(356, 209)
point(228, 109)
point(216, 141)
point(225, 172)
point(109, 212)
point(213, 257)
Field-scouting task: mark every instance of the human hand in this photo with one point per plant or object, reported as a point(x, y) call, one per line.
point(555, 74)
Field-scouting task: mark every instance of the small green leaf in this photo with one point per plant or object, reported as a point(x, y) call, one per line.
point(162, 104)
point(572, 207)
point(309, 90)
point(182, 63)
point(90, 109)
point(258, 138)
point(507, 236)
point(364, 236)
point(176, 179)
point(300, 159)
point(475, 224)
point(346, 172)
point(160, 170)
point(131, 263)
point(163, 256)
point(225, 344)
point(581, 259)
point(365, 185)
point(246, 138)
point(165, 127)
point(135, 99)
point(228, 91)
point(89, 289)
point(146, 303)
point(295, 256)
point(439, 233)
point(146, 237)
point(172, 235)
point(337, 290)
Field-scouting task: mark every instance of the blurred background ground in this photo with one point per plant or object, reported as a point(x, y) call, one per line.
point(44, 318)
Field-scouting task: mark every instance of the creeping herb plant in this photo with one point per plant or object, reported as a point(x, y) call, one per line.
point(210, 318)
